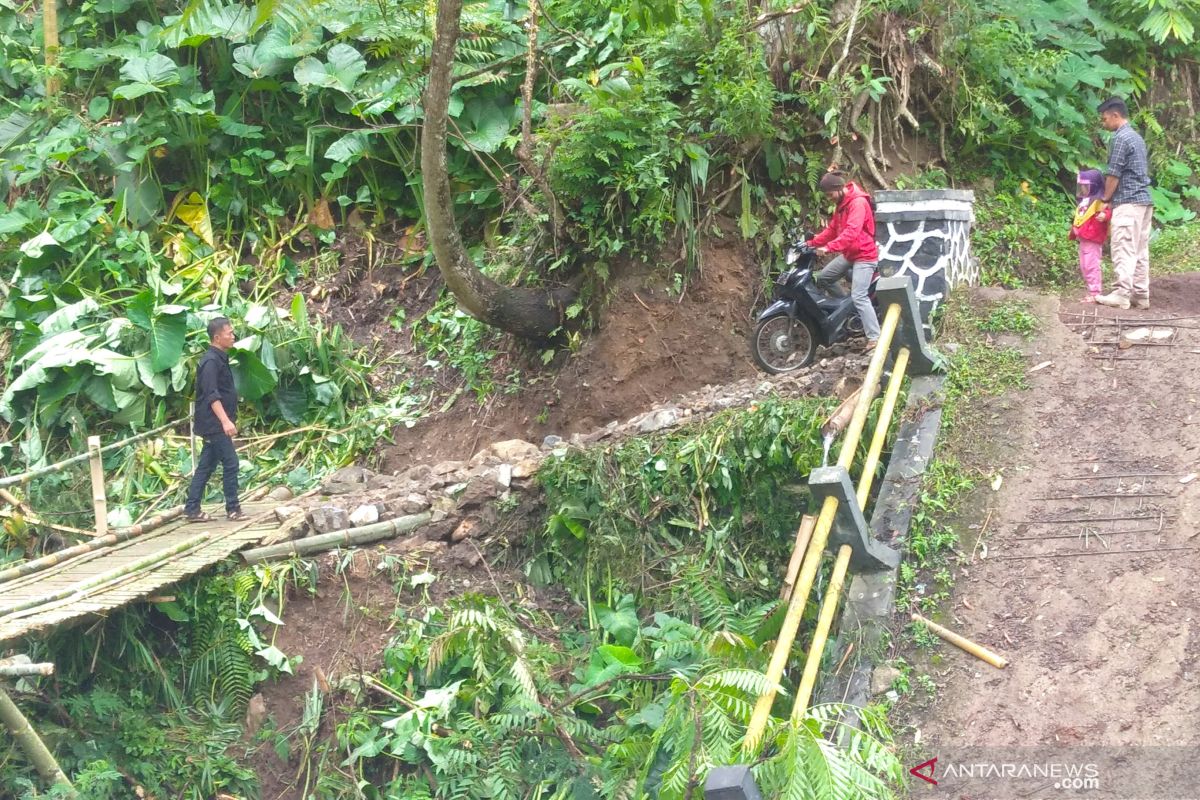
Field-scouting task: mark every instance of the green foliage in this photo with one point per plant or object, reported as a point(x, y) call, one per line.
point(155, 696)
point(728, 487)
point(1176, 249)
point(735, 94)
point(1021, 235)
point(1011, 316)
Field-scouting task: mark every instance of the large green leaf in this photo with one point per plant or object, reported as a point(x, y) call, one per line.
point(251, 376)
point(146, 74)
point(292, 401)
point(344, 67)
point(120, 368)
point(349, 148)
point(484, 125)
point(65, 318)
point(167, 326)
point(14, 128)
point(208, 20)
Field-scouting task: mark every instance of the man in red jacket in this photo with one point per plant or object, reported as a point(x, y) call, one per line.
point(851, 235)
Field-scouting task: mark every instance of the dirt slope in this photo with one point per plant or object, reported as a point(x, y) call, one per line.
point(1103, 647)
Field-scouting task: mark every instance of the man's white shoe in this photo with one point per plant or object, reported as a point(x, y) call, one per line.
point(1115, 300)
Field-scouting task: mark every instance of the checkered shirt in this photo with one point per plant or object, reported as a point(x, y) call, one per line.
point(1127, 161)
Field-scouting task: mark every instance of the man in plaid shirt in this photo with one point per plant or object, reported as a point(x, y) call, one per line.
point(1127, 198)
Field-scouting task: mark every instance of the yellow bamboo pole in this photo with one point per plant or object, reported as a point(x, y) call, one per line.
point(824, 622)
point(887, 330)
point(99, 498)
point(50, 42)
point(979, 651)
point(820, 537)
point(881, 427)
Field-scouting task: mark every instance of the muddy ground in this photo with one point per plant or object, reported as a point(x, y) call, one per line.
point(1097, 619)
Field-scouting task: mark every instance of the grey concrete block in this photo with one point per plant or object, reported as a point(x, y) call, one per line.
point(849, 526)
point(922, 359)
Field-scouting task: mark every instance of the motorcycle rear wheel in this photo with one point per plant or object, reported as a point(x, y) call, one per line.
point(776, 351)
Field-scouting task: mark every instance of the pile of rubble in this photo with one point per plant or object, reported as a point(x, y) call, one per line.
point(461, 497)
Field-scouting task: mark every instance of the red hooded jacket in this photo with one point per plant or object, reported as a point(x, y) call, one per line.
point(851, 230)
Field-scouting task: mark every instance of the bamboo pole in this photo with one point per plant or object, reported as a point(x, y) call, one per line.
point(824, 622)
point(837, 580)
point(841, 415)
point(50, 43)
point(816, 546)
point(26, 477)
point(25, 670)
point(807, 523)
point(81, 588)
point(961, 642)
point(33, 746)
point(882, 425)
point(347, 536)
point(99, 500)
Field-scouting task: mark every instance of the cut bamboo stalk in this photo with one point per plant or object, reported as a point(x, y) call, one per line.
point(807, 523)
point(99, 501)
point(963, 643)
point(34, 519)
point(347, 536)
point(841, 415)
point(50, 43)
point(80, 589)
point(34, 748)
point(26, 477)
point(25, 670)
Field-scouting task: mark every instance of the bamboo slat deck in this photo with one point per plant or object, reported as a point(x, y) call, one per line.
point(79, 575)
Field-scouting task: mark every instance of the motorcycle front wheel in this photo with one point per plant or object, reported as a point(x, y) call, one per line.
point(780, 344)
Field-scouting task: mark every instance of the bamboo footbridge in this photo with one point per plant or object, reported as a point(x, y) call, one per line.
point(112, 568)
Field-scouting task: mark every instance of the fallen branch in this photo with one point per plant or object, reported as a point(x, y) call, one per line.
point(25, 670)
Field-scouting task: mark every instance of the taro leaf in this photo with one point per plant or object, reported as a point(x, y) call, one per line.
point(146, 75)
point(193, 212)
point(292, 401)
point(179, 374)
point(621, 623)
point(270, 55)
point(64, 350)
point(484, 126)
point(344, 67)
point(207, 20)
point(350, 148)
point(167, 326)
point(100, 391)
point(121, 368)
point(35, 247)
point(65, 318)
point(252, 377)
point(134, 413)
point(154, 381)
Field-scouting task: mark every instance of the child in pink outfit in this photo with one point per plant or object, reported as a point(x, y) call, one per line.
point(1090, 229)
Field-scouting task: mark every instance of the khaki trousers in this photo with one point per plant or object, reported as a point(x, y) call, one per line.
point(1129, 244)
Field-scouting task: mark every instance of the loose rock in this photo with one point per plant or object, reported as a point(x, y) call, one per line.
point(326, 519)
point(364, 515)
point(280, 494)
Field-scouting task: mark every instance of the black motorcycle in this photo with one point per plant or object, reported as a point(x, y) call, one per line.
point(801, 317)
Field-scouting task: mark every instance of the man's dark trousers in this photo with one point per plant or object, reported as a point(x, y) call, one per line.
point(217, 450)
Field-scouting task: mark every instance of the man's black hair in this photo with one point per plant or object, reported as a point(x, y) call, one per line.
point(1114, 104)
point(216, 325)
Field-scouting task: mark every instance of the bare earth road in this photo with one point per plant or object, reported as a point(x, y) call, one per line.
point(1098, 618)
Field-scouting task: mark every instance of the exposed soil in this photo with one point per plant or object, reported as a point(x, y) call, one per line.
point(649, 345)
point(1100, 627)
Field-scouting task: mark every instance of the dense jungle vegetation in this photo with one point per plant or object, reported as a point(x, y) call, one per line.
point(161, 163)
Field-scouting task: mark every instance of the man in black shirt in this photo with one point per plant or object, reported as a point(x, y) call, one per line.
point(216, 412)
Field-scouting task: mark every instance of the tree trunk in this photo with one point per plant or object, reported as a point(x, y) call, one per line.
point(529, 313)
point(32, 745)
